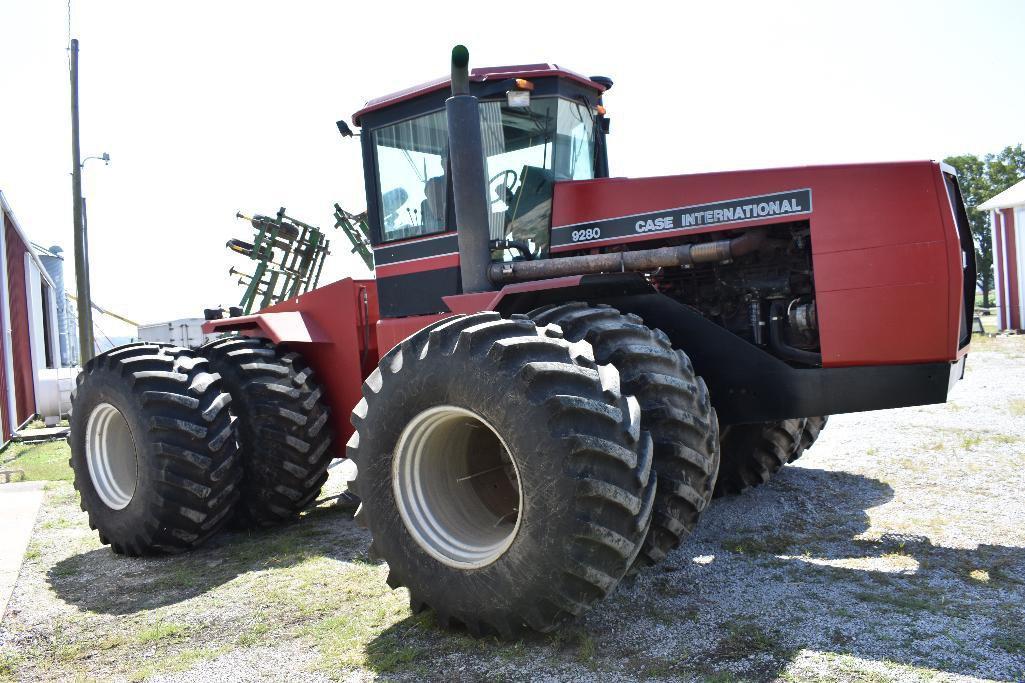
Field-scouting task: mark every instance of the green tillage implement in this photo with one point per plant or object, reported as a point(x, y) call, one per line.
point(289, 257)
point(358, 232)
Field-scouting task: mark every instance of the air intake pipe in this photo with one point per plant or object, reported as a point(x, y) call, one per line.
point(626, 261)
point(469, 183)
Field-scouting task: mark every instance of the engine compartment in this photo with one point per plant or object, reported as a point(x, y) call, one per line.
point(767, 297)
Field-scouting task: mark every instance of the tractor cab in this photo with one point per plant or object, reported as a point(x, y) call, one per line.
point(539, 125)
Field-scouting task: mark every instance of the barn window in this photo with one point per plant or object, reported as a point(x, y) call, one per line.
point(48, 326)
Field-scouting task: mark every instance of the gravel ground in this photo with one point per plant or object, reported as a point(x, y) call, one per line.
point(892, 551)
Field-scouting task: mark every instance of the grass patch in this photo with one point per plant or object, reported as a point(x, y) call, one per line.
point(657, 669)
point(179, 661)
point(110, 642)
point(1006, 438)
point(359, 639)
point(8, 666)
point(745, 638)
point(61, 493)
point(969, 441)
point(1016, 407)
point(163, 632)
point(1012, 345)
point(845, 667)
point(719, 677)
point(46, 461)
point(904, 603)
point(998, 577)
point(253, 635)
point(1011, 643)
point(980, 575)
point(366, 625)
point(771, 544)
point(587, 648)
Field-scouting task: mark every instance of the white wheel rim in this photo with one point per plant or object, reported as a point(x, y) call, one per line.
point(456, 486)
point(111, 456)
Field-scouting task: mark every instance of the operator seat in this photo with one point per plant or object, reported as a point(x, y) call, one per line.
point(529, 215)
point(432, 209)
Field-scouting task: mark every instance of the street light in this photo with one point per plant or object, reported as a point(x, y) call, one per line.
point(103, 157)
point(85, 317)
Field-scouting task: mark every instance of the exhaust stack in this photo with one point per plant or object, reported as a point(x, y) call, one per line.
point(469, 184)
point(627, 261)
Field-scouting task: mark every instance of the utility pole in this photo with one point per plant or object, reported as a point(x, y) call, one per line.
point(85, 313)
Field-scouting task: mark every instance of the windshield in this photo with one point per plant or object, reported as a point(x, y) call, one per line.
point(526, 150)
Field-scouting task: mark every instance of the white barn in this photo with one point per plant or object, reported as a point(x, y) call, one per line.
point(1007, 216)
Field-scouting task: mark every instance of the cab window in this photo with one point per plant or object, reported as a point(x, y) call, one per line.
point(411, 160)
point(527, 150)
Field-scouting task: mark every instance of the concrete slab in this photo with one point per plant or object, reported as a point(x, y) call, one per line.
point(19, 504)
point(40, 434)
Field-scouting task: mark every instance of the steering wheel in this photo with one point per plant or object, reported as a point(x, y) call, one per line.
point(504, 177)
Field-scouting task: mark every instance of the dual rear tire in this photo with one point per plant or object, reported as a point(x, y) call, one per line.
point(753, 453)
point(675, 409)
point(507, 466)
point(505, 476)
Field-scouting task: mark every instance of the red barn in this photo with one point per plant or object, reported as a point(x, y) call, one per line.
point(29, 341)
point(1007, 214)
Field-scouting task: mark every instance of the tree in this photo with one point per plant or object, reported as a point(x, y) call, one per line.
point(976, 188)
point(980, 180)
point(1006, 168)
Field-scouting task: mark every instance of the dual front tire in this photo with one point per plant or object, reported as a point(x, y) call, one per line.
point(170, 444)
point(282, 427)
point(153, 449)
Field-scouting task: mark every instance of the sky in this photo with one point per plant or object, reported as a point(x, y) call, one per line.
point(208, 108)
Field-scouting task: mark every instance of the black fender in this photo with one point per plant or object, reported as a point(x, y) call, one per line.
point(746, 382)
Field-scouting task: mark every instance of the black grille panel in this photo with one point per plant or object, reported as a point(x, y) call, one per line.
point(964, 232)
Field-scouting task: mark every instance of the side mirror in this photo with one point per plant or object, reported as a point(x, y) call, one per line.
point(344, 129)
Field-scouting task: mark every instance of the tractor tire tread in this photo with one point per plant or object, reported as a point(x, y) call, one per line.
point(753, 453)
point(608, 457)
point(675, 409)
point(193, 477)
point(280, 421)
point(813, 427)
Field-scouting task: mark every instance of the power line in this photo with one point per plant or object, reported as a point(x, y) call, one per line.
point(68, 48)
point(105, 311)
point(112, 344)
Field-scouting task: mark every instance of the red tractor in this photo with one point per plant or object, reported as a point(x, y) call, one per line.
point(553, 367)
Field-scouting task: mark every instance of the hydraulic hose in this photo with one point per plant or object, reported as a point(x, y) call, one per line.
point(777, 316)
